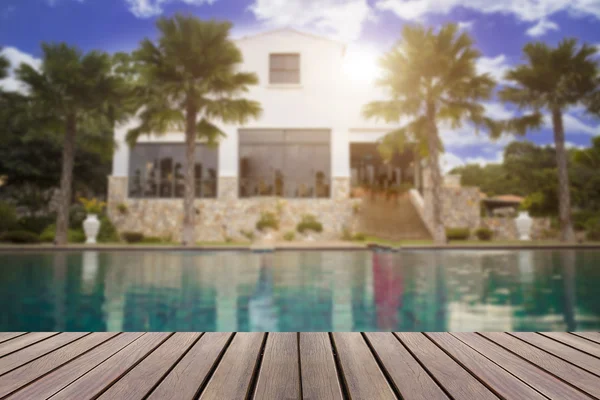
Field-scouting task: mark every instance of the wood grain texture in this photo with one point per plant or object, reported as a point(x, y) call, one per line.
point(410, 379)
point(556, 366)
point(232, 377)
point(28, 354)
point(499, 380)
point(20, 342)
point(319, 376)
point(362, 375)
point(577, 342)
point(454, 378)
point(63, 376)
point(543, 382)
point(582, 360)
point(138, 382)
point(279, 376)
point(4, 336)
point(592, 336)
point(191, 372)
point(104, 375)
point(43, 365)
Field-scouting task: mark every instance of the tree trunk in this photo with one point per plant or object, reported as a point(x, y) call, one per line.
point(189, 212)
point(439, 232)
point(66, 181)
point(564, 195)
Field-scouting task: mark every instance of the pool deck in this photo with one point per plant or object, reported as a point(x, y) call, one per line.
point(299, 365)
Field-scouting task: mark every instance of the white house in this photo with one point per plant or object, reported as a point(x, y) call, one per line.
point(301, 157)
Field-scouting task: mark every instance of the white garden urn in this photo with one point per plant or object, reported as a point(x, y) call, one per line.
point(91, 227)
point(524, 222)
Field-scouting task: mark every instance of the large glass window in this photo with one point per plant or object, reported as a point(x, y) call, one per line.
point(284, 68)
point(156, 170)
point(286, 163)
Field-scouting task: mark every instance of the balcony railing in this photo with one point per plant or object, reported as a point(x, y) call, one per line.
point(170, 188)
point(281, 187)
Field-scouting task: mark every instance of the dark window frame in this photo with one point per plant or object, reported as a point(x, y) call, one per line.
point(271, 69)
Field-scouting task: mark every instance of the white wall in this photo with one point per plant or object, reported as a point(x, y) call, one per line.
point(324, 99)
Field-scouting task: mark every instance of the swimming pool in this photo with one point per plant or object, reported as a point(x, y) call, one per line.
point(410, 290)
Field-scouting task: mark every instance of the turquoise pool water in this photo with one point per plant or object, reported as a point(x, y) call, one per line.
point(487, 290)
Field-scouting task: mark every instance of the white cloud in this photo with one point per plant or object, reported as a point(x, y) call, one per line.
point(572, 124)
point(343, 19)
point(524, 10)
point(15, 58)
point(498, 111)
point(151, 8)
point(449, 161)
point(495, 66)
point(542, 27)
point(466, 25)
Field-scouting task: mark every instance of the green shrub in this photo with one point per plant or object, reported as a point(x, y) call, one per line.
point(592, 229)
point(122, 208)
point(549, 234)
point(36, 224)
point(132, 237)
point(248, 234)
point(77, 215)
point(346, 234)
point(267, 220)
point(8, 217)
point(359, 237)
point(309, 223)
point(581, 218)
point(485, 234)
point(151, 240)
point(289, 236)
point(20, 237)
point(108, 233)
point(73, 235)
point(457, 233)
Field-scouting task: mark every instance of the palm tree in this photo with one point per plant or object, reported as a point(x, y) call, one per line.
point(552, 80)
point(69, 96)
point(431, 79)
point(190, 80)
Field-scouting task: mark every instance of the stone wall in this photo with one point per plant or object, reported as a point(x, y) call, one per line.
point(227, 215)
point(505, 228)
point(460, 207)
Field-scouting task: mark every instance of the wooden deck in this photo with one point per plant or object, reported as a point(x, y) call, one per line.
point(293, 366)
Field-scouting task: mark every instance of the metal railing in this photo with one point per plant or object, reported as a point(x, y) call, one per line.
point(282, 187)
point(170, 188)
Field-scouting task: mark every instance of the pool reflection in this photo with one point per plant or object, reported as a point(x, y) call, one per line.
point(301, 291)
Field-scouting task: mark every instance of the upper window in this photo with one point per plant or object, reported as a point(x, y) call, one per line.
point(284, 68)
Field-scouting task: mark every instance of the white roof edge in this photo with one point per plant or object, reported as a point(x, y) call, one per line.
point(270, 32)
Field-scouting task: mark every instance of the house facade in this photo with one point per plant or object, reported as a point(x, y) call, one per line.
point(302, 156)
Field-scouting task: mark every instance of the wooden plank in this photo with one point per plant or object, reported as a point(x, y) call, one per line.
point(279, 376)
point(567, 353)
point(233, 375)
point(192, 371)
point(410, 379)
point(4, 336)
point(39, 349)
point(592, 336)
point(499, 380)
point(104, 375)
point(23, 341)
point(556, 366)
point(543, 382)
point(319, 375)
point(455, 379)
point(579, 343)
point(362, 375)
point(63, 376)
point(37, 368)
point(142, 379)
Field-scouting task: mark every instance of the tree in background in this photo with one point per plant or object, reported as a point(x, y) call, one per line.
point(552, 80)
point(431, 79)
point(4, 64)
point(70, 95)
point(189, 80)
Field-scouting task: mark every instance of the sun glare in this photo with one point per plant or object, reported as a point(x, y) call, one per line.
point(360, 64)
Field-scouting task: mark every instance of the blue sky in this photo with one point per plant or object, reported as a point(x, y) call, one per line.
point(500, 28)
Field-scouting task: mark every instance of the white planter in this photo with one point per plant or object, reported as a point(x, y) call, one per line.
point(91, 227)
point(524, 222)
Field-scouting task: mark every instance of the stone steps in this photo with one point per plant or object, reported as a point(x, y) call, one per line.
point(392, 219)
